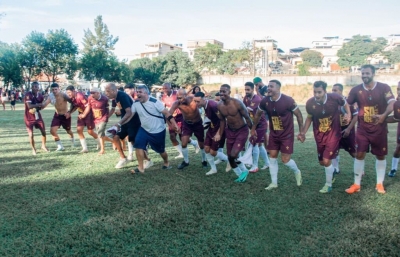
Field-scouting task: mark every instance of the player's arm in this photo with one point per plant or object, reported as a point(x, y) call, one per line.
point(31, 106)
point(380, 118)
point(243, 111)
point(85, 112)
point(222, 123)
point(256, 120)
point(170, 120)
point(299, 117)
point(307, 123)
point(46, 102)
point(173, 107)
point(347, 116)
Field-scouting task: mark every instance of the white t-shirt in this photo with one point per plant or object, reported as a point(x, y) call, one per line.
point(150, 123)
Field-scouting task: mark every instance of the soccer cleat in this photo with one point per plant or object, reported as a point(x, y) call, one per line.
point(84, 151)
point(325, 189)
point(392, 173)
point(166, 167)
point(380, 189)
point(211, 172)
point(183, 165)
point(271, 186)
point(204, 164)
point(228, 166)
point(253, 169)
point(130, 157)
point(264, 167)
point(218, 161)
point(60, 148)
point(242, 178)
point(122, 163)
point(336, 171)
point(353, 189)
point(299, 179)
point(179, 156)
point(147, 164)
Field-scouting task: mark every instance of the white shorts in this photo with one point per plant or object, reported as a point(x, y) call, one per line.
point(4, 98)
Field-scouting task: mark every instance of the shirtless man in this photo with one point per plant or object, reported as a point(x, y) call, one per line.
point(235, 115)
point(192, 124)
point(62, 116)
point(80, 102)
point(33, 102)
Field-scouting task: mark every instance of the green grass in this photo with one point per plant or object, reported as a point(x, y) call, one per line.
point(62, 204)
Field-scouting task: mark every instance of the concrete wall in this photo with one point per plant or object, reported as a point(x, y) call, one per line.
point(348, 79)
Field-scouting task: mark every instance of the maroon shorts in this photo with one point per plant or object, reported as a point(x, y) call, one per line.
point(398, 133)
point(378, 143)
point(194, 128)
point(260, 136)
point(282, 144)
point(88, 122)
point(221, 142)
point(61, 120)
point(349, 143)
point(328, 150)
point(214, 145)
point(236, 140)
point(178, 119)
point(38, 124)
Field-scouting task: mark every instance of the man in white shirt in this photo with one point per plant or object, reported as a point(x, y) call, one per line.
point(152, 114)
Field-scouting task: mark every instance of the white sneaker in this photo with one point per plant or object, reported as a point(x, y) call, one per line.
point(271, 186)
point(211, 172)
point(178, 157)
point(218, 161)
point(265, 167)
point(130, 157)
point(228, 166)
point(84, 151)
point(122, 163)
point(147, 164)
point(60, 148)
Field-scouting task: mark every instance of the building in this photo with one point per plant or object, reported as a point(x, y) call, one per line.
point(393, 42)
point(158, 49)
point(268, 54)
point(328, 47)
point(193, 44)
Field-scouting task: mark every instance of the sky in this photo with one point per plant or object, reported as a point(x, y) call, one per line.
point(292, 23)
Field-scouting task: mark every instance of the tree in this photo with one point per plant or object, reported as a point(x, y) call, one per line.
point(358, 49)
point(10, 69)
point(312, 58)
point(147, 71)
point(394, 55)
point(101, 40)
point(206, 57)
point(303, 69)
point(178, 69)
point(226, 64)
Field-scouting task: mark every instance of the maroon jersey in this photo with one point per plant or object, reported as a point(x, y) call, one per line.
point(371, 102)
point(280, 115)
point(326, 117)
point(169, 100)
point(33, 99)
point(353, 111)
point(99, 108)
point(396, 110)
point(211, 110)
point(80, 102)
point(253, 104)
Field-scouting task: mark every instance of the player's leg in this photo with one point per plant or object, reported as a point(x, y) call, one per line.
point(41, 127)
point(117, 142)
point(291, 164)
point(198, 131)
point(273, 165)
point(29, 128)
point(240, 138)
point(82, 139)
point(362, 143)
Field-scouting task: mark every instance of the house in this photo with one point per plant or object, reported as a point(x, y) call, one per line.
point(393, 42)
point(193, 44)
point(328, 47)
point(268, 55)
point(158, 49)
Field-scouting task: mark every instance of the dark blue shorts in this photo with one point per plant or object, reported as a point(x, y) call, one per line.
point(156, 141)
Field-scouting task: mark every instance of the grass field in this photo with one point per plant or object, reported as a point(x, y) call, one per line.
point(71, 204)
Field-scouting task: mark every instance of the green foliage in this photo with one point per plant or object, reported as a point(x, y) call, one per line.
point(226, 63)
point(10, 69)
point(146, 71)
point(312, 58)
point(178, 69)
point(303, 69)
point(101, 39)
point(393, 55)
point(356, 52)
point(206, 57)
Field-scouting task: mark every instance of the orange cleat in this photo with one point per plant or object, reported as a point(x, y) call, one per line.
point(353, 189)
point(380, 189)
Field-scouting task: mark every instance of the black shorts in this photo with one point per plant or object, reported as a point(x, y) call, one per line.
point(130, 129)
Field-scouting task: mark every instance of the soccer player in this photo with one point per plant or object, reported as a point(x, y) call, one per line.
point(391, 119)
point(348, 140)
point(252, 101)
point(192, 124)
point(233, 113)
point(280, 109)
point(62, 117)
point(80, 102)
point(323, 112)
point(375, 102)
point(210, 145)
point(128, 125)
point(33, 117)
point(261, 89)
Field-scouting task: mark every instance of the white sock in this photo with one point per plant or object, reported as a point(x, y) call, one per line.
point(292, 165)
point(358, 171)
point(221, 156)
point(178, 148)
point(241, 166)
point(256, 155)
point(59, 143)
point(237, 171)
point(185, 153)
point(73, 141)
point(273, 170)
point(130, 148)
point(203, 155)
point(380, 167)
point(329, 175)
point(83, 143)
point(264, 155)
point(335, 163)
point(221, 150)
point(193, 142)
point(210, 160)
point(395, 162)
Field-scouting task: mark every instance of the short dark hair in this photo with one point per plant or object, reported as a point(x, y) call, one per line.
point(33, 83)
point(54, 85)
point(276, 82)
point(366, 66)
point(129, 85)
point(320, 83)
point(199, 94)
point(217, 94)
point(121, 89)
point(249, 84)
point(339, 86)
point(227, 86)
point(70, 88)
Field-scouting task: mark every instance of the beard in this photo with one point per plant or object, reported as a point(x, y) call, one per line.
point(367, 80)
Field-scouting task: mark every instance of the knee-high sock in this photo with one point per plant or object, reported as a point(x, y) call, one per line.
point(256, 155)
point(292, 165)
point(203, 155)
point(185, 153)
point(329, 175)
point(237, 171)
point(395, 162)
point(264, 155)
point(178, 148)
point(380, 167)
point(358, 171)
point(241, 166)
point(335, 163)
point(83, 143)
point(273, 169)
point(210, 160)
point(130, 148)
point(193, 142)
point(221, 150)
point(221, 156)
